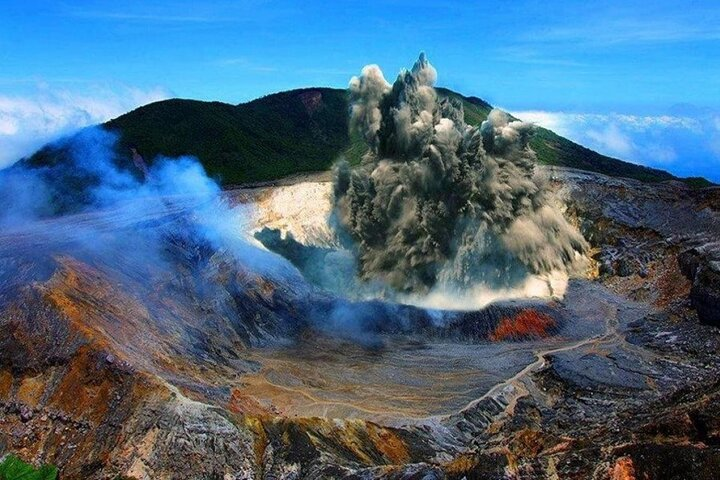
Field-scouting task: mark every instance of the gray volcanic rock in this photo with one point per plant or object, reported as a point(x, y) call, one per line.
point(635, 225)
point(702, 267)
point(705, 294)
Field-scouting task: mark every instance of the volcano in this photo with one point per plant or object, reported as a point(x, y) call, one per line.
point(160, 326)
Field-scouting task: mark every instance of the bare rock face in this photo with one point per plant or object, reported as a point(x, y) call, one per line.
point(638, 226)
point(705, 295)
point(702, 268)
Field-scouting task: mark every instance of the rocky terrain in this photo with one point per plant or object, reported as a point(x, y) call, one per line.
point(214, 365)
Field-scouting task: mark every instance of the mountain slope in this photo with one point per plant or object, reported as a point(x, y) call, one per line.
point(274, 136)
point(552, 149)
point(299, 131)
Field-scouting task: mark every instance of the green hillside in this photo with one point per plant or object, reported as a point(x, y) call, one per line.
point(299, 131)
point(552, 149)
point(274, 136)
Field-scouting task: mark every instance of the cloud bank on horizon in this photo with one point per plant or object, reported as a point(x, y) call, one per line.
point(27, 122)
point(686, 143)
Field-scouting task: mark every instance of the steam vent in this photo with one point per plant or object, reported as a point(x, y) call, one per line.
point(436, 301)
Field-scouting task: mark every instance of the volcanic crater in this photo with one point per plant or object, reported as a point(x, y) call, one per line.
point(176, 329)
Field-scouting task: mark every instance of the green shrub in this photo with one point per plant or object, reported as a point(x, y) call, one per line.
point(12, 468)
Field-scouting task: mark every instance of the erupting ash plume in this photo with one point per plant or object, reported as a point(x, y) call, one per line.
point(438, 202)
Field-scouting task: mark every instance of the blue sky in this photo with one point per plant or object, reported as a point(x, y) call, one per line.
point(637, 80)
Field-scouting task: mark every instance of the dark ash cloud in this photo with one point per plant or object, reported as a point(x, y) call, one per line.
point(438, 202)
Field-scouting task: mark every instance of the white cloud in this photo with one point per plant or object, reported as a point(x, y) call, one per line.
point(555, 121)
point(688, 26)
point(610, 139)
point(685, 144)
point(662, 154)
point(245, 64)
point(715, 146)
point(8, 126)
point(28, 122)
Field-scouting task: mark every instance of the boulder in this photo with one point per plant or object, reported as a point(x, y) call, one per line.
point(705, 291)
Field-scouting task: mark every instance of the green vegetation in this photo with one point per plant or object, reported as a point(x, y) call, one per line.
point(12, 468)
point(476, 109)
point(301, 131)
point(268, 138)
point(697, 182)
point(552, 149)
